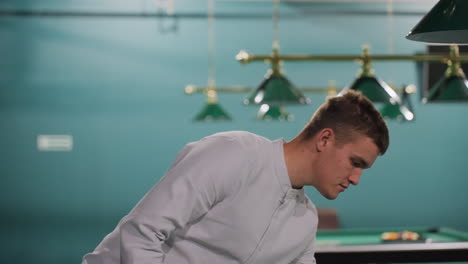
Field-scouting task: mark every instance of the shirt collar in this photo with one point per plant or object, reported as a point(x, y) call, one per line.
point(282, 171)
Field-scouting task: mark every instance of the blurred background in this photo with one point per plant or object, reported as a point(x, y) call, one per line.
point(93, 109)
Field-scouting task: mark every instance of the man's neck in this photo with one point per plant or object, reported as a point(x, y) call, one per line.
point(296, 153)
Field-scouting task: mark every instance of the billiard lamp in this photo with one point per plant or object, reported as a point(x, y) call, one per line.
point(369, 85)
point(445, 23)
point(212, 111)
point(401, 111)
point(268, 112)
point(275, 88)
point(453, 86)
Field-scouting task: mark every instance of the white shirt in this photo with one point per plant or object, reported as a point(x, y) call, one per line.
point(226, 199)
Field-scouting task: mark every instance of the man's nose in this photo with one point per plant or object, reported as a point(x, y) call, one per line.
point(355, 176)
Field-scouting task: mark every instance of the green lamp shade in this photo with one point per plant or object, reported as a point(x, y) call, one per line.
point(446, 23)
point(273, 112)
point(449, 89)
point(212, 112)
point(376, 90)
point(396, 112)
point(278, 90)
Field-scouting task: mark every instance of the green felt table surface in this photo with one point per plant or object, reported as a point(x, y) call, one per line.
point(371, 236)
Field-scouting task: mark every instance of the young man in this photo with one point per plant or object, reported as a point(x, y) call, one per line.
point(236, 197)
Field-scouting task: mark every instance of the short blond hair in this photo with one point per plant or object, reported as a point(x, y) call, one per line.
point(347, 115)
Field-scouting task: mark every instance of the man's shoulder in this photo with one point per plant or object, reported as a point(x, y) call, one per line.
point(241, 143)
point(240, 137)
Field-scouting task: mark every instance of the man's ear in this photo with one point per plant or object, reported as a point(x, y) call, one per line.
point(325, 136)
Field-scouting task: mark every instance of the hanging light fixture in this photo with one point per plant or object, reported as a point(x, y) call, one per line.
point(212, 111)
point(275, 90)
point(446, 23)
point(273, 112)
point(373, 88)
point(396, 112)
point(453, 86)
point(401, 111)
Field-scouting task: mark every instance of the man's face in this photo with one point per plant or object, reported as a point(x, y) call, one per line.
point(341, 165)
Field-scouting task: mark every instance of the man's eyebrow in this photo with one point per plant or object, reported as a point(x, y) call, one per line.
point(362, 163)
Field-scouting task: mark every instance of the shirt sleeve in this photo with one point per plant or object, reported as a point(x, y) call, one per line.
point(203, 174)
point(308, 255)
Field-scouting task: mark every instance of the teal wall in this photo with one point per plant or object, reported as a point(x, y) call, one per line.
point(116, 85)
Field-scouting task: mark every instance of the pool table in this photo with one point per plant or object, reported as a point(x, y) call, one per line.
point(365, 246)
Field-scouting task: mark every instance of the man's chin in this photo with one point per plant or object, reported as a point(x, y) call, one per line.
point(329, 196)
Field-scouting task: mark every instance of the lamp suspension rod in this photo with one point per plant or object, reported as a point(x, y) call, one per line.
point(245, 57)
point(211, 45)
point(192, 89)
point(275, 45)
